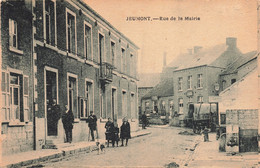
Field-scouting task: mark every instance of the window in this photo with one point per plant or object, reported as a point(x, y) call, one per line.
point(199, 85)
point(5, 115)
point(26, 98)
point(89, 99)
point(133, 110)
point(180, 105)
point(180, 81)
point(223, 84)
point(101, 48)
point(123, 66)
point(233, 81)
point(71, 32)
point(189, 82)
point(114, 104)
point(200, 99)
point(124, 104)
point(13, 37)
point(113, 52)
point(132, 64)
point(50, 22)
point(87, 42)
point(73, 95)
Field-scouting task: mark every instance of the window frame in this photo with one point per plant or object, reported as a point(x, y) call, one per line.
point(50, 28)
point(86, 24)
point(124, 103)
point(68, 11)
point(189, 82)
point(123, 58)
point(71, 75)
point(180, 105)
point(87, 113)
point(199, 81)
point(6, 117)
point(200, 99)
point(101, 55)
point(113, 58)
point(180, 83)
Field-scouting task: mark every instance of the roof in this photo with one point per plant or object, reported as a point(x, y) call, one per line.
point(148, 79)
point(162, 89)
point(217, 56)
point(240, 62)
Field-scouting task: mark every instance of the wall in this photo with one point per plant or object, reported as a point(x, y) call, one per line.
point(17, 134)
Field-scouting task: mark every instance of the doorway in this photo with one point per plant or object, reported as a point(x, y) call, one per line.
point(51, 91)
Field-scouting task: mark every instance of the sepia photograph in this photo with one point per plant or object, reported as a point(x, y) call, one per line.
point(130, 83)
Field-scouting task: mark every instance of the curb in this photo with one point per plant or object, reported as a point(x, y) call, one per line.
point(58, 155)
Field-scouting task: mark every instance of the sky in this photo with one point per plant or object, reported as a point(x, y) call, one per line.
point(218, 19)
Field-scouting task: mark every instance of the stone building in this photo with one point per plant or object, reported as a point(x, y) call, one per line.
point(196, 79)
point(72, 55)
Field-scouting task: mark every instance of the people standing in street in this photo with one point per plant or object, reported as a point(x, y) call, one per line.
point(205, 132)
point(109, 132)
point(92, 124)
point(68, 120)
point(125, 132)
point(144, 120)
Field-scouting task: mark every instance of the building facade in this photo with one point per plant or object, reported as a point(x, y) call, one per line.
point(197, 80)
point(16, 77)
point(78, 59)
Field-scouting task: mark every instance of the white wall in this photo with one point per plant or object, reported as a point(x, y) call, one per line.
point(241, 95)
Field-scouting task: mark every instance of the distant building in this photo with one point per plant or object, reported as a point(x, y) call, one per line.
point(146, 83)
point(196, 79)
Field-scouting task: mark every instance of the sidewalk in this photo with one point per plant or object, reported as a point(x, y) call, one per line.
point(207, 155)
point(64, 150)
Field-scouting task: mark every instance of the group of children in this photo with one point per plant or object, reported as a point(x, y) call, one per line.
point(112, 132)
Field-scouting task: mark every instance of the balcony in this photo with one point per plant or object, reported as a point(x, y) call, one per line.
point(106, 72)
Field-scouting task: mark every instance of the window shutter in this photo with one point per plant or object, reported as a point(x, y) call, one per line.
point(26, 86)
point(3, 84)
point(25, 99)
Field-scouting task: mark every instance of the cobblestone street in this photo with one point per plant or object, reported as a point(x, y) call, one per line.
point(163, 146)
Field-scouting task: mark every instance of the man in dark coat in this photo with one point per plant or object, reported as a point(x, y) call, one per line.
point(68, 120)
point(53, 116)
point(125, 131)
point(92, 124)
point(144, 120)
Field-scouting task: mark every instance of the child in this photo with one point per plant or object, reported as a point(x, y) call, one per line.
point(116, 134)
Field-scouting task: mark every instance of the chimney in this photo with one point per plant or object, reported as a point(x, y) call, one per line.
point(231, 42)
point(189, 51)
point(164, 59)
point(197, 49)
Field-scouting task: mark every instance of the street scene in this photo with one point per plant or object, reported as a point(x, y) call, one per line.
point(95, 83)
point(153, 150)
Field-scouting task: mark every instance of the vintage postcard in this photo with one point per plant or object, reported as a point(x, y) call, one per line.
point(129, 83)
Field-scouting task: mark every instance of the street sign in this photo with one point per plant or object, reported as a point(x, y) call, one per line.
point(214, 99)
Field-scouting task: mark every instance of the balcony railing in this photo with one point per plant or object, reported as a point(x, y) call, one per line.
point(106, 72)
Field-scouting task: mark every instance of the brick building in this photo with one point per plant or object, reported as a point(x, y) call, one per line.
point(195, 79)
point(16, 81)
point(80, 60)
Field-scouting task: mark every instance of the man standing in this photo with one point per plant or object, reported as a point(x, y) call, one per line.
point(92, 124)
point(125, 131)
point(144, 120)
point(53, 116)
point(68, 120)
